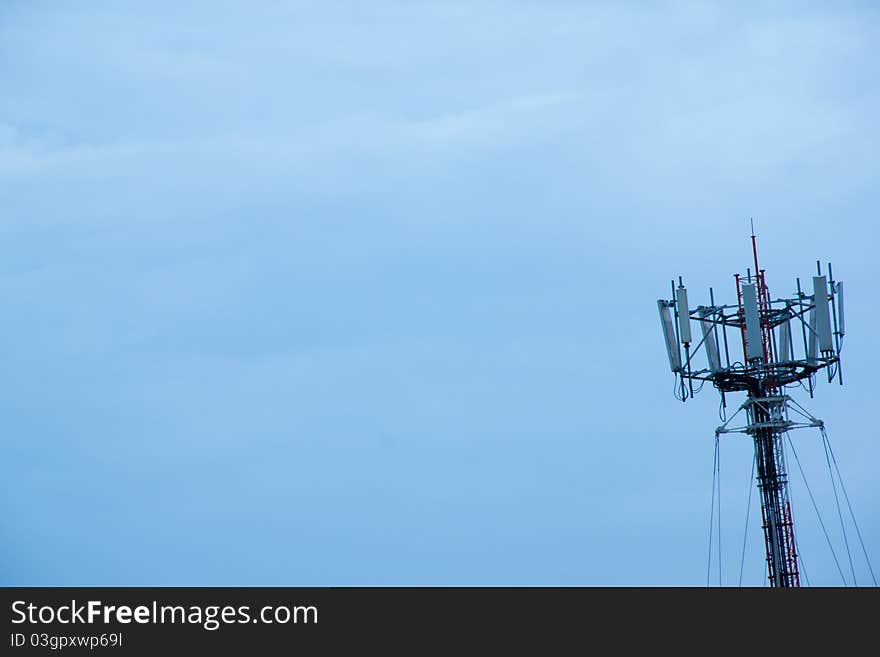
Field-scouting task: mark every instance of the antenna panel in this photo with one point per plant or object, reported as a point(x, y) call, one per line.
point(709, 342)
point(684, 318)
point(840, 307)
point(784, 343)
point(813, 338)
point(669, 336)
point(823, 315)
point(754, 344)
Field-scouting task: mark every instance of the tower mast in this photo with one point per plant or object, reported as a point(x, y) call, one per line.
point(766, 408)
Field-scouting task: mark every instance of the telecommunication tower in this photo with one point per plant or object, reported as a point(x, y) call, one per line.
point(785, 341)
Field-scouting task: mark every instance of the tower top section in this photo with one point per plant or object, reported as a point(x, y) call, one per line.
point(759, 344)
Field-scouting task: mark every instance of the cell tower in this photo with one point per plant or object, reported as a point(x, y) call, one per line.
point(768, 330)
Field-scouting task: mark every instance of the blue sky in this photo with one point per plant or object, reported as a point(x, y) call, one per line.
point(328, 293)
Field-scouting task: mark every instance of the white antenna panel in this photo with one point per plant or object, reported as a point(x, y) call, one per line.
point(840, 307)
point(709, 341)
point(669, 336)
point(784, 343)
point(754, 345)
point(823, 315)
point(684, 318)
point(814, 338)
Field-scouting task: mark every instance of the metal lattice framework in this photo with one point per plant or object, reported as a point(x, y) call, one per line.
point(785, 341)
